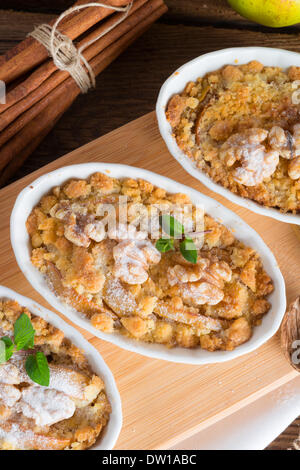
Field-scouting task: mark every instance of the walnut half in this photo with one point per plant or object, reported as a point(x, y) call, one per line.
point(200, 284)
point(290, 334)
point(248, 148)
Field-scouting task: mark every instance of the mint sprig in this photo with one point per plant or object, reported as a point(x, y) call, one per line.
point(23, 333)
point(9, 347)
point(37, 368)
point(6, 349)
point(36, 365)
point(188, 250)
point(2, 352)
point(165, 244)
point(173, 228)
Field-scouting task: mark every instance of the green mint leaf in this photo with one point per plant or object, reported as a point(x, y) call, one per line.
point(9, 347)
point(188, 250)
point(37, 368)
point(171, 226)
point(165, 244)
point(23, 333)
point(2, 352)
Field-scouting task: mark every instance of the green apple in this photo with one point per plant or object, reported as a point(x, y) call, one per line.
point(275, 13)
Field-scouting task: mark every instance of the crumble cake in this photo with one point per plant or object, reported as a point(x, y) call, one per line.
point(69, 414)
point(241, 126)
point(122, 283)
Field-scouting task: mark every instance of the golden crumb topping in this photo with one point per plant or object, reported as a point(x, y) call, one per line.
point(110, 269)
point(241, 126)
point(68, 414)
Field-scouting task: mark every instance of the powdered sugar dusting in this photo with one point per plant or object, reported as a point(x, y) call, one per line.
point(67, 381)
point(45, 406)
point(18, 437)
point(9, 394)
point(118, 299)
point(61, 379)
point(126, 232)
point(9, 374)
point(132, 259)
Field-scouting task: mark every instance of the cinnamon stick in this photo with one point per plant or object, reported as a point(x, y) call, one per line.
point(31, 113)
point(16, 163)
point(8, 117)
point(30, 53)
point(63, 99)
point(48, 68)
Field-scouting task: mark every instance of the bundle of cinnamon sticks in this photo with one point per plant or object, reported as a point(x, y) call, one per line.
point(38, 93)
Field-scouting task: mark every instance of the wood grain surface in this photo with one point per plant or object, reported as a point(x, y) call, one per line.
point(190, 28)
point(155, 393)
point(185, 9)
point(115, 101)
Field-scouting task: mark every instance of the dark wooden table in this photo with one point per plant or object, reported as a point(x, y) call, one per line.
point(129, 87)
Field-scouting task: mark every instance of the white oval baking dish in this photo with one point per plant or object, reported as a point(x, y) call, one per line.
point(197, 68)
point(31, 195)
point(113, 428)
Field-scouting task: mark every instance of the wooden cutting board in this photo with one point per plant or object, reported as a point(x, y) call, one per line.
point(164, 403)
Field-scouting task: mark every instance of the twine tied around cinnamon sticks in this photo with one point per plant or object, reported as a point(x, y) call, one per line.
point(38, 92)
point(64, 53)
